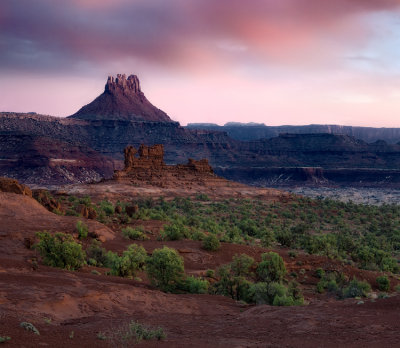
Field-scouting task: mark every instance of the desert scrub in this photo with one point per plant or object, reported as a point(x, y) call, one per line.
point(96, 255)
point(4, 339)
point(107, 207)
point(82, 230)
point(29, 327)
point(383, 283)
point(356, 288)
point(165, 268)
point(134, 332)
point(211, 243)
point(241, 265)
point(174, 231)
point(137, 233)
point(129, 263)
point(366, 235)
point(195, 285)
point(60, 250)
point(271, 268)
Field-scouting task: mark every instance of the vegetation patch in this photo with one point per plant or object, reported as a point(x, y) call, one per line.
point(60, 250)
point(29, 327)
point(165, 269)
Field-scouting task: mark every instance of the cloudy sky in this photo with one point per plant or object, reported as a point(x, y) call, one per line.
point(276, 62)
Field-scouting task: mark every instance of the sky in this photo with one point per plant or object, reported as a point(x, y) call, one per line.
point(265, 61)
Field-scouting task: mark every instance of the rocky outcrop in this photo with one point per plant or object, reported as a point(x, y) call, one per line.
point(146, 165)
point(13, 186)
point(149, 157)
point(39, 160)
point(122, 99)
point(45, 199)
point(253, 131)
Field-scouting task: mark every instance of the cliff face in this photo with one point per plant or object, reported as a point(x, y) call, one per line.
point(249, 132)
point(122, 99)
point(39, 160)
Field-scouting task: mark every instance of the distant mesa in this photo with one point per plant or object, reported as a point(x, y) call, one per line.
point(123, 100)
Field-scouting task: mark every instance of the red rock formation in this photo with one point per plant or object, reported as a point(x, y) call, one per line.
point(122, 99)
point(149, 157)
point(45, 199)
point(149, 167)
point(13, 186)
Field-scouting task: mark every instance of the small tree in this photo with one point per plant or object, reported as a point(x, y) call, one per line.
point(165, 268)
point(383, 283)
point(132, 260)
point(241, 265)
point(356, 288)
point(211, 242)
point(60, 250)
point(174, 231)
point(271, 268)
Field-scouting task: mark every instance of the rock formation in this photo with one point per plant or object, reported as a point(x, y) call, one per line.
point(149, 167)
point(122, 99)
point(149, 157)
point(13, 186)
point(45, 199)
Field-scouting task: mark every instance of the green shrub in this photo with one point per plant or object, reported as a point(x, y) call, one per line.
point(4, 339)
point(271, 268)
point(275, 294)
point(129, 263)
point(140, 332)
point(356, 288)
point(96, 253)
point(134, 233)
point(332, 286)
point(283, 301)
point(211, 243)
point(241, 264)
point(107, 207)
point(71, 212)
point(60, 250)
point(202, 197)
point(259, 293)
point(210, 273)
point(195, 285)
point(383, 283)
point(82, 229)
point(267, 237)
point(30, 327)
point(174, 231)
point(265, 293)
point(165, 268)
point(131, 333)
point(320, 272)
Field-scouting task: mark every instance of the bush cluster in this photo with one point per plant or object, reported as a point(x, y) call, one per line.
point(137, 233)
point(60, 250)
point(264, 286)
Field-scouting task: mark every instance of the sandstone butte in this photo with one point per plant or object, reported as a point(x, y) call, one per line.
point(122, 99)
point(149, 167)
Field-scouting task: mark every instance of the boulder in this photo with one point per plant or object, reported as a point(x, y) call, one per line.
point(13, 186)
